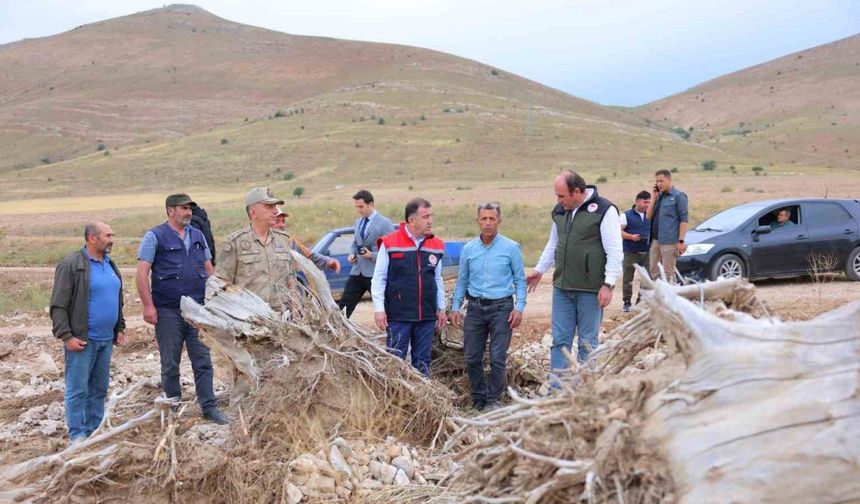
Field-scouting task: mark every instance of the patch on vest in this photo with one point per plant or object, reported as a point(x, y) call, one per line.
point(245, 244)
point(226, 247)
point(592, 207)
point(433, 260)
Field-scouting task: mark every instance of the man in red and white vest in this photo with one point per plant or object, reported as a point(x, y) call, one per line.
point(407, 288)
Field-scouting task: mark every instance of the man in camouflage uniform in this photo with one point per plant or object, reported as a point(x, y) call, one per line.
point(257, 258)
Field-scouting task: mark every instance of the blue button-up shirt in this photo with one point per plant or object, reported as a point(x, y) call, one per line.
point(491, 271)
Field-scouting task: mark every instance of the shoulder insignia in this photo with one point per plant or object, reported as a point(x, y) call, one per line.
point(235, 234)
point(226, 247)
point(245, 245)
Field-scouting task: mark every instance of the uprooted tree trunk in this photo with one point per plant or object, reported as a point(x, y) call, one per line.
point(311, 376)
point(765, 411)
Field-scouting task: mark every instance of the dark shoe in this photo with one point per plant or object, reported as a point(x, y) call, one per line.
point(215, 416)
point(627, 307)
point(479, 405)
point(638, 298)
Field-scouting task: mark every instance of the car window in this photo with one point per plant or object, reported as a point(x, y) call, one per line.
point(826, 214)
point(730, 219)
point(770, 218)
point(340, 245)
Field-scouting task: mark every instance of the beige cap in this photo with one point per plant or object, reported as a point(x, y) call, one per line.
point(281, 212)
point(261, 195)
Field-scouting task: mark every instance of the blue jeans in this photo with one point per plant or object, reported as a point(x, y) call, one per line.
point(417, 334)
point(171, 333)
point(485, 322)
point(572, 310)
point(87, 379)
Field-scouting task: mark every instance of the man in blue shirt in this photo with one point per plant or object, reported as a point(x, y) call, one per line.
point(180, 261)
point(668, 214)
point(86, 312)
point(491, 272)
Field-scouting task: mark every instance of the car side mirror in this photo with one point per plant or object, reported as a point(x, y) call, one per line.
point(762, 230)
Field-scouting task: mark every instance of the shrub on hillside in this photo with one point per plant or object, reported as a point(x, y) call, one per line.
point(298, 192)
point(100, 147)
point(224, 141)
point(681, 132)
point(709, 165)
point(601, 180)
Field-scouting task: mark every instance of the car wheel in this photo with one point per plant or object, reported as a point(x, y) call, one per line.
point(728, 266)
point(852, 266)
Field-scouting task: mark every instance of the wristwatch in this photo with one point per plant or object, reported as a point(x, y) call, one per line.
point(680, 241)
point(608, 285)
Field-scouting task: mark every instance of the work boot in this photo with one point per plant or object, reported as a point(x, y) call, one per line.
point(214, 415)
point(479, 404)
point(626, 308)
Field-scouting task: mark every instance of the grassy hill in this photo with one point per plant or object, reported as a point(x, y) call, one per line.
point(802, 108)
point(177, 96)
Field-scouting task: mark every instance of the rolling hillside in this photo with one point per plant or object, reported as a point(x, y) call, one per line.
point(802, 108)
point(179, 96)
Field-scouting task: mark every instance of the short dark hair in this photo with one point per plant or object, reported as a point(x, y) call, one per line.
point(787, 210)
point(643, 195)
point(91, 229)
point(413, 206)
point(574, 181)
point(664, 172)
point(363, 194)
point(490, 205)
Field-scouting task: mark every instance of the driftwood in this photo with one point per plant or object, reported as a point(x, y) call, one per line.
point(310, 374)
point(766, 411)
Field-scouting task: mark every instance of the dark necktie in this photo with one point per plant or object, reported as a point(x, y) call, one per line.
point(363, 228)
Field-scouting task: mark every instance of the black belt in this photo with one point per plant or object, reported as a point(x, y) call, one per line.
point(486, 302)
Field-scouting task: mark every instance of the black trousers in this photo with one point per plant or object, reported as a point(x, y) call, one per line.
point(482, 323)
point(356, 286)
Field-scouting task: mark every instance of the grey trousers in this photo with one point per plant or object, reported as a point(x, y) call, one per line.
point(482, 323)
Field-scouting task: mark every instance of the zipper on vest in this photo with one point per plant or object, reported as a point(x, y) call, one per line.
point(420, 288)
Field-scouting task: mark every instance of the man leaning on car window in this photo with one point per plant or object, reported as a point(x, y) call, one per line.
point(782, 220)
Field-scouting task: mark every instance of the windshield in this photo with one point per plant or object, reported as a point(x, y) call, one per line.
point(728, 220)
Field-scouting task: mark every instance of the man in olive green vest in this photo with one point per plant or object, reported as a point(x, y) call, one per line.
point(585, 246)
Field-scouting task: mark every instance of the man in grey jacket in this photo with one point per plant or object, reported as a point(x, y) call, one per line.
point(86, 312)
point(369, 227)
point(668, 213)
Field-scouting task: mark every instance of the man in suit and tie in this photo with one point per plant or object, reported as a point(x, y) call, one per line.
point(369, 227)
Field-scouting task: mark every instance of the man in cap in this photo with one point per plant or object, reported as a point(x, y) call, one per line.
point(257, 257)
point(321, 261)
point(180, 262)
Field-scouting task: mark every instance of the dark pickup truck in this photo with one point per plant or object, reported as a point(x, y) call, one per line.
point(336, 244)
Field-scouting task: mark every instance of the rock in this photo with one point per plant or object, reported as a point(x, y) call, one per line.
point(338, 463)
point(420, 479)
point(343, 493)
point(320, 484)
point(362, 459)
point(393, 452)
point(388, 473)
point(371, 484)
point(302, 466)
point(294, 495)
point(400, 478)
point(50, 427)
point(343, 447)
point(375, 468)
point(17, 337)
point(617, 414)
point(44, 365)
point(6, 348)
point(26, 391)
point(404, 464)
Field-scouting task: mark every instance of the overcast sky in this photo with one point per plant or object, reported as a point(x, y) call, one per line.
point(615, 52)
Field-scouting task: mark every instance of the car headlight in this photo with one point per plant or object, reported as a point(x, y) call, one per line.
point(698, 249)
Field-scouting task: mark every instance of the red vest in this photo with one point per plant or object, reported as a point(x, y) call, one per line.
point(410, 292)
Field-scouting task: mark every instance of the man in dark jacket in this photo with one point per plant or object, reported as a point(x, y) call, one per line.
point(200, 220)
point(86, 312)
point(180, 261)
point(635, 232)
